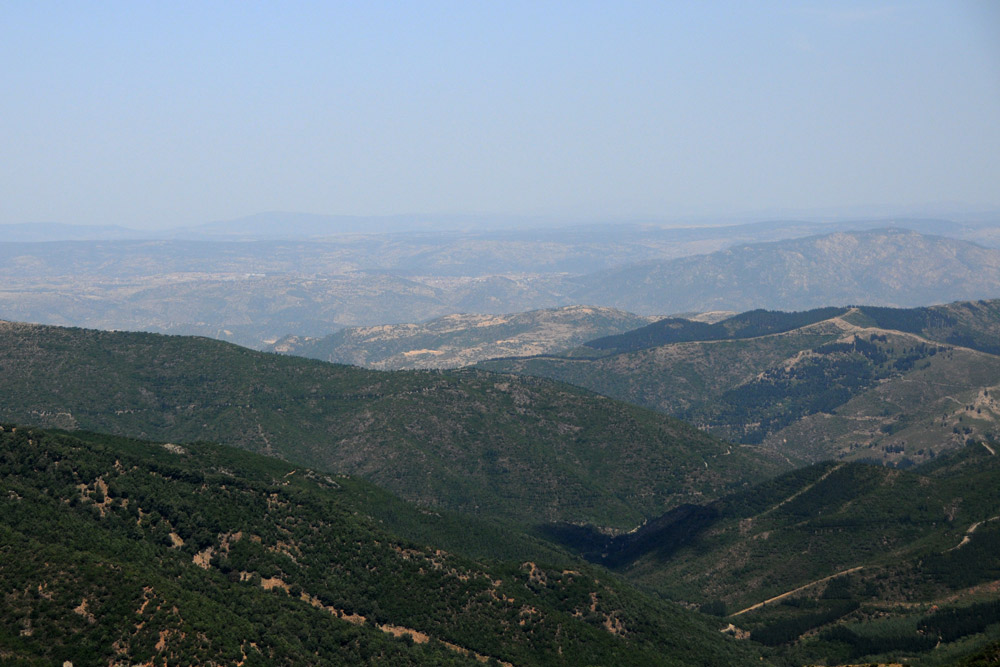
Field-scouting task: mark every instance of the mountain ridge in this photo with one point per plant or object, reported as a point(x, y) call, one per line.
point(255, 292)
point(847, 386)
point(899, 268)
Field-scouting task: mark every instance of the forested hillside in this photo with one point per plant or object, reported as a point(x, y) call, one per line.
point(679, 330)
point(835, 562)
point(887, 384)
point(972, 324)
point(115, 551)
point(524, 448)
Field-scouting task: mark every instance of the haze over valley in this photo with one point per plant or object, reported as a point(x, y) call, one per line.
point(254, 292)
point(522, 334)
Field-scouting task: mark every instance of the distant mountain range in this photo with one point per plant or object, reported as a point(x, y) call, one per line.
point(980, 227)
point(893, 267)
point(37, 232)
point(273, 225)
point(254, 293)
point(893, 385)
point(462, 340)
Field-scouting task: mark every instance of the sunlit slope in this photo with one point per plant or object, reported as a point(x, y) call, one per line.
point(529, 449)
point(462, 339)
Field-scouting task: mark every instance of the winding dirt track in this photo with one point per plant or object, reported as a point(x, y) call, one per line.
point(968, 534)
point(796, 590)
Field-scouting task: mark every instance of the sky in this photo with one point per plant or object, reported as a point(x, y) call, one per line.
point(154, 115)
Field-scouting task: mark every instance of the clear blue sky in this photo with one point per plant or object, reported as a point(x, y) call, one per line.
point(168, 113)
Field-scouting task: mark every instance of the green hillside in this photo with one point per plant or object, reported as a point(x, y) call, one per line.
point(679, 330)
point(972, 324)
point(894, 385)
point(527, 449)
point(115, 551)
point(836, 562)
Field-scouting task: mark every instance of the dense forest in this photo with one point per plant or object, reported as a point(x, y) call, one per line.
point(856, 562)
point(587, 515)
point(117, 550)
point(464, 440)
point(745, 325)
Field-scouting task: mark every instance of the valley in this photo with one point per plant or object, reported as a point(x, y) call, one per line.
point(562, 523)
point(764, 487)
point(255, 291)
point(466, 440)
point(559, 334)
point(838, 547)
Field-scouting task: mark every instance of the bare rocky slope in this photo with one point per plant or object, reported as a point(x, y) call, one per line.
point(462, 339)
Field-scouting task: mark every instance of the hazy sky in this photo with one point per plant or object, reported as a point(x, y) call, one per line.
point(159, 114)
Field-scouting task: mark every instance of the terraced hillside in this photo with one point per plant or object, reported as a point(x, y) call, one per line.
point(115, 551)
point(893, 385)
point(524, 448)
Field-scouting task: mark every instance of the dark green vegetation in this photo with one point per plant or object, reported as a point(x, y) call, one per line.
point(678, 330)
point(888, 384)
point(115, 551)
point(272, 561)
point(461, 340)
point(523, 448)
point(975, 325)
point(972, 324)
point(856, 563)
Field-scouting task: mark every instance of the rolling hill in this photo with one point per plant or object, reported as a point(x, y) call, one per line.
point(462, 340)
point(525, 448)
point(894, 385)
point(190, 551)
point(255, 290)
